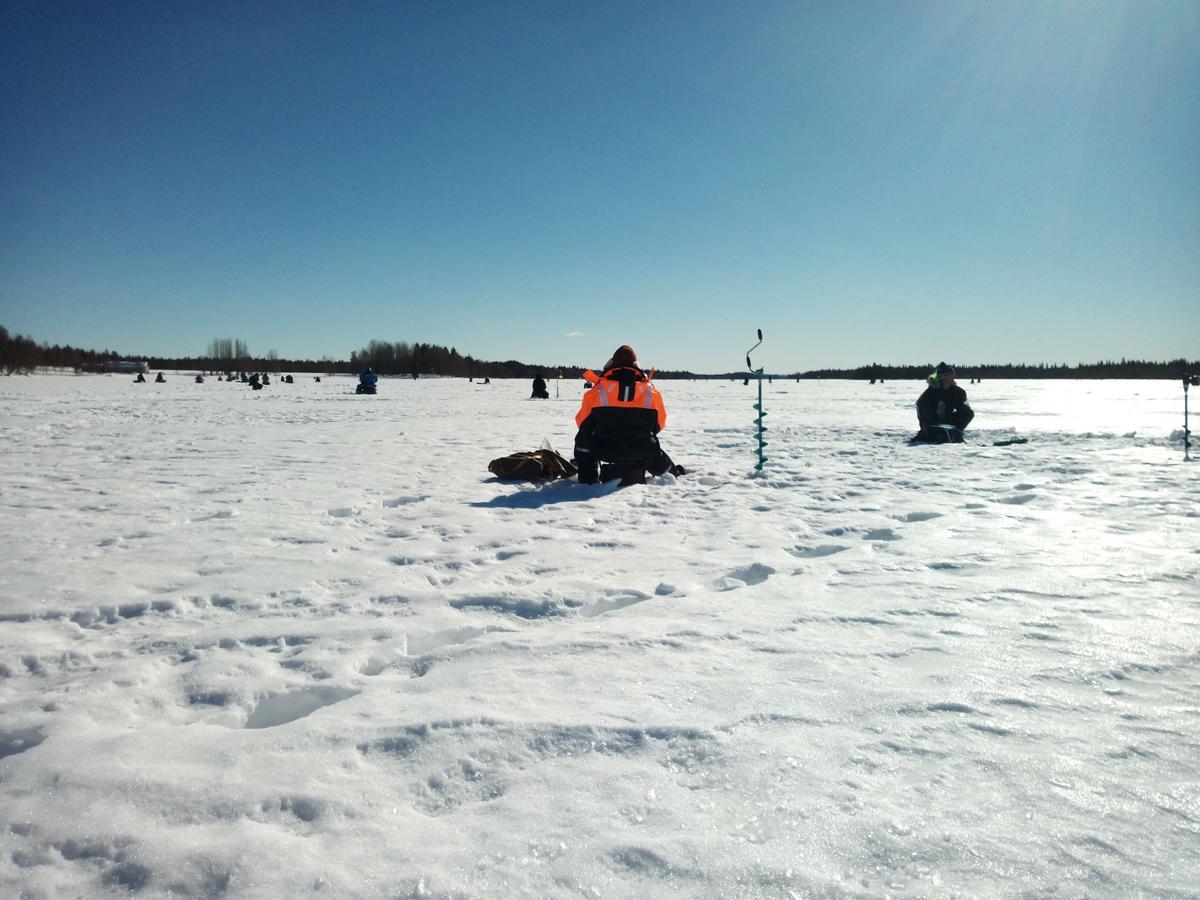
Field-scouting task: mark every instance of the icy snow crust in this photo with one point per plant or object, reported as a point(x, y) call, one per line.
point(299, 643)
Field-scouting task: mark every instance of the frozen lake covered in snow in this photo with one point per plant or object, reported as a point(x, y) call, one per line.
point(300, 643)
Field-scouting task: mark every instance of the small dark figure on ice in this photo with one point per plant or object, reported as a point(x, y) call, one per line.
point(141, 379)
point(942, 410)
point(619, 422)
point(540, 392)
point(158, 379)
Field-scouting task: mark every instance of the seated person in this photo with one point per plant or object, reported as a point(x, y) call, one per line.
point(158, 379)
point(943, 403)
point(540, 392)
point(619, 423)
point(366, 382)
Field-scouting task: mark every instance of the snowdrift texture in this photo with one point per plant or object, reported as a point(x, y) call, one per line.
point(299, 643)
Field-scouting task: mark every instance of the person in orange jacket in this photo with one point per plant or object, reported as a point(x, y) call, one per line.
point(619, 422)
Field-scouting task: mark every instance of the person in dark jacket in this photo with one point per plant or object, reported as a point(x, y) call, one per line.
point(944, 403)
point(619, 422)
point(540, 391)
point(366, 382)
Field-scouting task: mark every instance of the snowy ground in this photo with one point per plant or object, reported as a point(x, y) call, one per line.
point(299, 643)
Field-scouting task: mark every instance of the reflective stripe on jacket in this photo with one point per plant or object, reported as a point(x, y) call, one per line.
point(623, 389)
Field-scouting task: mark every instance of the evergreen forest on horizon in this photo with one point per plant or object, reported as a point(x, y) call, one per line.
point(23, 355)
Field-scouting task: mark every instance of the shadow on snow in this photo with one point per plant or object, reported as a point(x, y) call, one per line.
point(544, 495)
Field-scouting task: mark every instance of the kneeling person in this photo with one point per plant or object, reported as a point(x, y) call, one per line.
point(619, 422)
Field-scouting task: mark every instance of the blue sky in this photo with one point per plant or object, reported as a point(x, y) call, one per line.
point(865, 181)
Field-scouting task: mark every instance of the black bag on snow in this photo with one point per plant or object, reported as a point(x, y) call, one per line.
point(532, 466)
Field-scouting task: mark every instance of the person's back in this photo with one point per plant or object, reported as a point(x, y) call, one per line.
point(540, 391)
point(366, 382)
point(619, 421)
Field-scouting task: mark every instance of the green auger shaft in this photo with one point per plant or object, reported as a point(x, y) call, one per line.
point(759, 421)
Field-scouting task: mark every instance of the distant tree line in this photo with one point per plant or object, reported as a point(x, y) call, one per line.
point(402, 358)
point(21, 355)
point(1126, 368)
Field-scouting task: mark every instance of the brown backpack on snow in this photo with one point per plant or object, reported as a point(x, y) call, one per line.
point(532, 466)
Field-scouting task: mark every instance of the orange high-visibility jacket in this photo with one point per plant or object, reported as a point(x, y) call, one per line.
point(623, 393)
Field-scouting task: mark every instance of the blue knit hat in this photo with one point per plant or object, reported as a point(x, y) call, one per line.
point(945, 368)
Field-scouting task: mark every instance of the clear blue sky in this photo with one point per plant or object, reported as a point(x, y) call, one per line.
point(865, 181)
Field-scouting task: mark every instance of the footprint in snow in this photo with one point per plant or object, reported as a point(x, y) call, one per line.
point(881, 534)
point(419, 645)
point(756, 573)
point(403, 501)
point(219, 514)
point(19, 740)
point(804, 552)
point(610, 604)
point(280, 709)
point(920, 516)
point(1018, 500)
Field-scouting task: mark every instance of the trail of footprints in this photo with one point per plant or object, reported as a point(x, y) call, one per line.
point(418, 650)
point(283, 707)
point(487, 755)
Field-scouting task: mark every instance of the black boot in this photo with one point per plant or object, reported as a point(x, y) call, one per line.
point(589, 470)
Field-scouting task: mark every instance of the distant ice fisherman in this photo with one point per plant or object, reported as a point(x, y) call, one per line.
point(366, 382)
